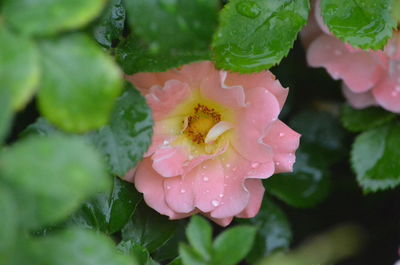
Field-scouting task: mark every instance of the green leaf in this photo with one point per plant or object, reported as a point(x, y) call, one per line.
point(307, 185)
point(322, 130)
point(75, 246)
point(364, 119)
point(40, 127)
point(51, 177)
point(8, 224)
point(232, 245)
point(47, 17)
point(5, 113)
point(128, 136)
point(375, 158)
point(366, 24)
point(176, 261)
point(139, 253)
point(109, 212)
point(19, 67)
point(273, 233)
point(80, 83)
point(134, 56)
point(172, 24)
point(111, 24)
point(199, 234)
point(148, 228)
point(189, 256)
point(256, 35)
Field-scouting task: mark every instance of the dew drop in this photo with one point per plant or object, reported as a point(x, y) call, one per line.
point(207, 191)
point(221, 195)
point(183, 190)
point(248, 9)
point(228, 165)
point(191, 157)
point(226, 176)
point(204, 167)
point(281, 134)
point(168, 187)
point(277, 163)
point(166, 142)
point(215, 203)
point(397, 88)
point(205, 179)
point(254, 165)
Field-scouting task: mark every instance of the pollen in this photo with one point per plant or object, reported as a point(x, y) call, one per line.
point(200, 122)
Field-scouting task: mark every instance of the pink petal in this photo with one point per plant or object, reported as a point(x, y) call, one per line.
point(312, 30)
point(387, 94)
point(179, 194)
point(284, 143)
point(220, 221)
point(252, 120)
point(256, 190)
point(160, 100)
point(263, 79)
point(359, 70)
point(318, 17)
point(359, 100)
point(148, 182)
point(208, 185)
point(168, 161)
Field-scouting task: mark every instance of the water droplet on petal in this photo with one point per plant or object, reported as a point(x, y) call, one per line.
point(228, 165)
point(191, 157)
point(281, 134)
point(221, 195)
point(248, 9)
point(166, 142)
point(215, 203)
point(204, 167)
point(397, 88)
point(226, 176)
point(254, 165)
point(205, 179)
point(168, 187)
point(207, 191)
point(183, 190)
point(277, 163)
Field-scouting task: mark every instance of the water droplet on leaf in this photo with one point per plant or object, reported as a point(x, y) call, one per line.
point(248, 9)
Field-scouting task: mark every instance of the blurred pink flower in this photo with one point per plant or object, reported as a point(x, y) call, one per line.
point(369, 77)
point(216, 135)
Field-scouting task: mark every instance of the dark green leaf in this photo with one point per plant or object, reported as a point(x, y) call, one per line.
point(273, 232)
point(5, 113)
point(139, 253)
point(40, 127)
point(323, 131)
point(134, 56)
point(309, 183)
point(173, 24)
point(46, 17)
point(177, 261)
point(366, 24)
point(51, 176)
point(80, 83)
point(148, 228)
point(109, 212)
point(75, 246)
point(19, 67)
point(8, 224)
point(128, 136)
point(199, 234)
point(111, 24)
point(364, 119)
point(233, 244)
point(170, 249)
point(189, 256)
point(255, 35)
point(375, 158)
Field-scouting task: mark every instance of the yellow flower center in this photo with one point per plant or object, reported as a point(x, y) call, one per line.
point(199, 123)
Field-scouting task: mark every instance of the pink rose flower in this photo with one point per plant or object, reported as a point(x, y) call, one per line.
point(216, 135)
point(369, 77)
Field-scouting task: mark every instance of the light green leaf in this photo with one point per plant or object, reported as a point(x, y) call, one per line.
point(189, 256)
point(128, 135)
point(364, 119)
point(366, 24)
point(233, 244)
point(51, 177)
point(19, 67)
point(199, 234)
point(5, 113)
point(80, 83)
point(8, 224)
point(40, 127)
point(148, 228)
point(47, 17)
point(75, 246)
point(375, 158)
point(256, 35)
point(139, 253)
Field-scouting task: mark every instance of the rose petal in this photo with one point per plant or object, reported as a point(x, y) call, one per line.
point(256, 190)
